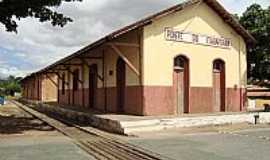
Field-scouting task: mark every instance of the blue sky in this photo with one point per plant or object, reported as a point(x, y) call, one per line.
point(39, 44)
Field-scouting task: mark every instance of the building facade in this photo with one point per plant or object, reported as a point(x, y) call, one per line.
point(190, 58)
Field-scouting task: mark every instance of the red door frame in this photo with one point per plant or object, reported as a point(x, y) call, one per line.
point(121, 84)
point(186, 79)
point(93, 69)
point(222, 78)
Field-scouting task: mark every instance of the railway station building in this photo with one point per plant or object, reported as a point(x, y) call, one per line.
point(190, 58)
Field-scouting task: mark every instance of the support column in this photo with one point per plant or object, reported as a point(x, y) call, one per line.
point(104, 80)
point(58, 91)
point(69, 91)
point(82, 85)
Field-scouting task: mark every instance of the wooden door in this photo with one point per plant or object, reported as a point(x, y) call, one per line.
point(181, 85)
point(93, 83)
point(179, 91)
point(219, 86)
point(121, 84)
point(75, 85)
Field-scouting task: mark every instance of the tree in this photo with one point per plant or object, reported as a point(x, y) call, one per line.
point(257, 21)
point(10, 85)
point(13, 10)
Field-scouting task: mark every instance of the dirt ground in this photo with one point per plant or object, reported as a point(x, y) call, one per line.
point(16, 122)
point(23, 137)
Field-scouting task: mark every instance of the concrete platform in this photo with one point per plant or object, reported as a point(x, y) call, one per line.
point(45, 147)
point(130, 125)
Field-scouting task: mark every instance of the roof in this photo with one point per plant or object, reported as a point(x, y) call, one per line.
point(216, 6)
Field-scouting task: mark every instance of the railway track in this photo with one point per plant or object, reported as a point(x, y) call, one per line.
point(97, 143)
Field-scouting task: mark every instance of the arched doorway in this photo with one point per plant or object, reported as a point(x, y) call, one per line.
point(219, 86)
point(121, 84)
point(93, 84)
point(181, 84)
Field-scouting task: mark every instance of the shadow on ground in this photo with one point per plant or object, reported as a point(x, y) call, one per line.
point(18, 125)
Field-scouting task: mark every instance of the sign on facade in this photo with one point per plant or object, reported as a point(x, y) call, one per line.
point(180, 36)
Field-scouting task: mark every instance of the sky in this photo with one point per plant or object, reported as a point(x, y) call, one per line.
point(37, 45)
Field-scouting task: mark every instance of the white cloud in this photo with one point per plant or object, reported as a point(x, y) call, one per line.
point(39, 44)
point(6, 70)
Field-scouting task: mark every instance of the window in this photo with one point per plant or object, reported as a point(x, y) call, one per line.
point(218, 66)
point(179, 63)
point(75, 79)
point(63, 83)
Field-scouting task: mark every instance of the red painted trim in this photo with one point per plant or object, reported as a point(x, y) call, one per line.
point(121, 84)
point(222, 85)
point(186, 82)
point(93, 85)
point(187, 86)
point(241, 100)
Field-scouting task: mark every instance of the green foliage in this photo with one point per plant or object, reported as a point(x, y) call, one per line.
point(257, 21)
point(13, 10)
point(10, 86)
